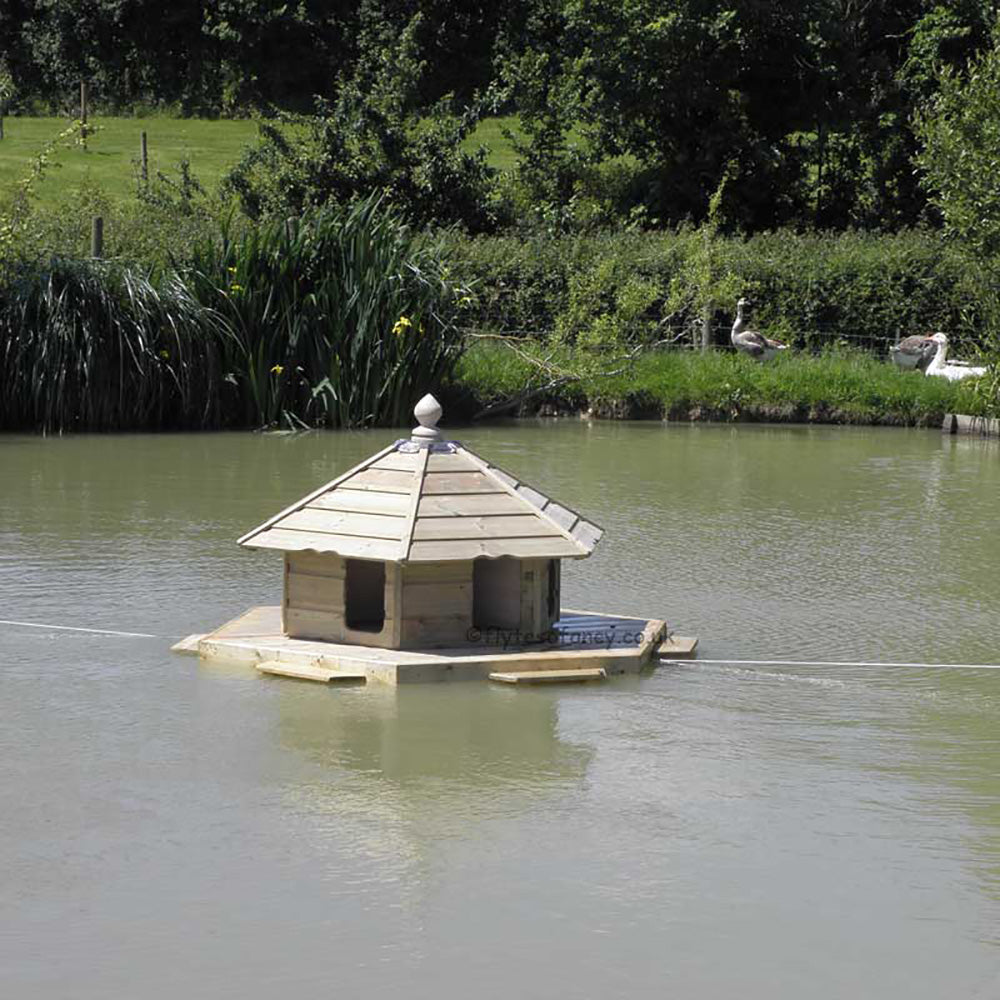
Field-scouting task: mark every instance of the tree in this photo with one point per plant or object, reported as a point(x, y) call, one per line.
point(960, 158)
point(373, 136)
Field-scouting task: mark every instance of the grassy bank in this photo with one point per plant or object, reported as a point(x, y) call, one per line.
point(843, 387)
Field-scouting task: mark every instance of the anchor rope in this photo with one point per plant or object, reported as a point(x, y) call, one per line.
point(829, 663)
point(76, 628)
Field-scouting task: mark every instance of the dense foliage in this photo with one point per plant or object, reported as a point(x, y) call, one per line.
point(327, 321)
point(633, 110)
point(811, 289)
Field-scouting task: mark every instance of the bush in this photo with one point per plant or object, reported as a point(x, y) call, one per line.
point(811, 289)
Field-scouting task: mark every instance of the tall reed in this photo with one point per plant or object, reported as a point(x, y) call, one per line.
point(338, 319)
point(86, 345)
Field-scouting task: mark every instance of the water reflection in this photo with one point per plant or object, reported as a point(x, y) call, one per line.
point(404, 769)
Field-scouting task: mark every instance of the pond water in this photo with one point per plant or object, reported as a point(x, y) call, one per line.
point(173, 829)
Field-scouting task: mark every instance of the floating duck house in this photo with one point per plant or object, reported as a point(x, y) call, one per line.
point(426, 562)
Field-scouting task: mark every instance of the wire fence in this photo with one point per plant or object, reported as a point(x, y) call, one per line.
point(691, 336)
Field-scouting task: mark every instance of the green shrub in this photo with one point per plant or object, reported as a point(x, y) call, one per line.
point(810, 289)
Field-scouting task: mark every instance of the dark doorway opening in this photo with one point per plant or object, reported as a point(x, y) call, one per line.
point(364, 595)
point(496, 593)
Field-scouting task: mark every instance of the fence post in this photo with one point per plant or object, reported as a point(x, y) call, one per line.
point(706, 327)
point(97, 236)
point(84, 95)
point(144, 158)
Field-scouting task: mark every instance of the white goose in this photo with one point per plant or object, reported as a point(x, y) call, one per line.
point(954, 372)
point(913, 352)
point(750, 341)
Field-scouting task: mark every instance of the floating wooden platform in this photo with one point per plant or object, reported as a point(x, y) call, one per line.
point(587, 646)
point(549, 676)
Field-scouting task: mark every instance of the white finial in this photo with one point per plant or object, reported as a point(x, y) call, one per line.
point(428, 413)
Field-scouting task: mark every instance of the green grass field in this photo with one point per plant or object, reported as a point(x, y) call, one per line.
point(109, 163)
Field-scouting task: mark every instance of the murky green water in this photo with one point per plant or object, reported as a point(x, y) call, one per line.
point(169, 829)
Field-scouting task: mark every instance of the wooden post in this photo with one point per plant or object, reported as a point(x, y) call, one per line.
point(97, 237)
point(143, 158)
point(706, 328)
point(84, 94)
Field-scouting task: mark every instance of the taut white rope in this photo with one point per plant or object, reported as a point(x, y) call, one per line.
point(831, 663)
point(73, 628)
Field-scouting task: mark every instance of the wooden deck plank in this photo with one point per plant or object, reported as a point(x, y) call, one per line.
point(677, 647)
point(306, 672)
point(569, 676)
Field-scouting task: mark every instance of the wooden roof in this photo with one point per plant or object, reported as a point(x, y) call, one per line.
point(431, 503)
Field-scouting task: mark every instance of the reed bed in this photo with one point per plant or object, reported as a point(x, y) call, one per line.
point(338, 319)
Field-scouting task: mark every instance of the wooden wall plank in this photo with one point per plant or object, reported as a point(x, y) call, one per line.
point(450, 630)
point(447, 572)
point(423, 600)
point(315, 593)
point(321, 625)
point(315, 565)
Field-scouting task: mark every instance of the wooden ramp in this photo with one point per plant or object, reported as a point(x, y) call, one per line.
point(308, 672)
point(549, 676)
